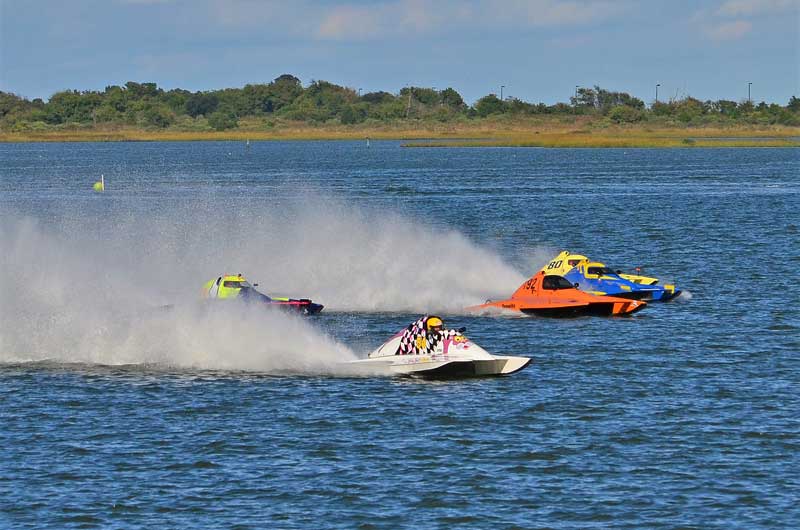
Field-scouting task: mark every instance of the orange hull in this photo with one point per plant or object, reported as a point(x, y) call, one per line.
point(554, 296)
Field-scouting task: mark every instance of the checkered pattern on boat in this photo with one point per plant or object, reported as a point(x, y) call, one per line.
point(417, 341)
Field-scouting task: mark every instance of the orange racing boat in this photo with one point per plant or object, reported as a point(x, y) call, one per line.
point(551, 295)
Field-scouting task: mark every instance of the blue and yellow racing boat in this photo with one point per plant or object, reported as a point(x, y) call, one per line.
point(595, 278)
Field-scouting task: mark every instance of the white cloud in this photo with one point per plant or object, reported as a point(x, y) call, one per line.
point(143, 1)
point(369, 21)
point(268, 16)
point(729, 30)
point(420, 16)
point(736, 8)
point(349, 22)
point(550, 12)
point(734, 19)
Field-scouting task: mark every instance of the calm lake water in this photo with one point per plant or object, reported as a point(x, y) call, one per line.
point(117, 413)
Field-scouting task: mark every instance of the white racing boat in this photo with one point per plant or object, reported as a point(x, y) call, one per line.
point(418, 351)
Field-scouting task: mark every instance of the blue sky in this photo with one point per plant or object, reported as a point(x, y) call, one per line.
point(538, 49)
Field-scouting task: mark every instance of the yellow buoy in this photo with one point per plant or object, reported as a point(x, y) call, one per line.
point(100, 185)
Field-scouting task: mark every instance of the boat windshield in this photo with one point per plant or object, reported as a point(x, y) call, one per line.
point(603, 271)
point(554, 283)
point(236, 284)
point(248, 293)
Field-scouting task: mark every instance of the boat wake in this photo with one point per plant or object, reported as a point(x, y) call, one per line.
point(83, 287)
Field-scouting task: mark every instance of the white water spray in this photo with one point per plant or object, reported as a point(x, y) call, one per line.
point(84, 289)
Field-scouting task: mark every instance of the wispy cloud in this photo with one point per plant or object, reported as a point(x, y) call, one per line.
point(738, 8)
point(369, 21)
point(359, 20)
point(144, 1)
point(734, 19)
point(728, 30)
point(550, 12)
point(362, 21)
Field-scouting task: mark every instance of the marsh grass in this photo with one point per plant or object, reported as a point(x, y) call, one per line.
point(537, 131)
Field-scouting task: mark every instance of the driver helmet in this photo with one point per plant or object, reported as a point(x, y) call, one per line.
point(434, 324)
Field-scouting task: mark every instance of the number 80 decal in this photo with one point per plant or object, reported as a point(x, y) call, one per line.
point(554, 264)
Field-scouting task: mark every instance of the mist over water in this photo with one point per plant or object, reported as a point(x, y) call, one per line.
point(86, 286)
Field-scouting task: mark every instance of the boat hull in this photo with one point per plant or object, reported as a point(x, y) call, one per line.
point(450, 359)
point(446, 368)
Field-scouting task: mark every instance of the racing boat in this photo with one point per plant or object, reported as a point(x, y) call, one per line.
point(423, 351)
point(551, 295)
point(230, 287)
point(594, 277)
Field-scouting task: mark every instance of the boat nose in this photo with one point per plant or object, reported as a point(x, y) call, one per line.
point(636, 305)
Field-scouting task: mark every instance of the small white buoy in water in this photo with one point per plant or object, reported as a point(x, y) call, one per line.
point(100, 185)
point(247, 145)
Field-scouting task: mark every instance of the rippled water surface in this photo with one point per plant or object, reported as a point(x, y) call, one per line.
point(119, 412)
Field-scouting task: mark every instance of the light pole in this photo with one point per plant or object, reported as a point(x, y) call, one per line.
point(748, 93)
point(501, 92)
point(657, 85)
point(576, 95)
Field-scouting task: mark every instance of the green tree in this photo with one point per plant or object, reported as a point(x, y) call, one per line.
point(142, 90)
point(201, 103)
point(624, 114)
point(72, 106)
point(490, 104)
point(116, 97)
point(604, 100)
point(176, 99)
point(746, 107)
point(222, 120)
point(787, 117)
point(689, 109)
point(661, 108)
point(586, 98)
point(425, 96)
point(321, 101)
point(352, 114)
point(517, 106)
point(726, 107)
point(389, 109)
point(376, 98)
point(156, 114)
point(452, 99)
point(12, 103)
point(559, 108)
point(257, 100)
point(284, 91)
point(106, 113)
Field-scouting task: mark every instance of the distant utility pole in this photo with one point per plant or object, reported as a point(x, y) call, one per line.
point(501, 92)
point(657, 85)
point(576, 95)
point(748, 93)
point(408, 107)
point(359, 92)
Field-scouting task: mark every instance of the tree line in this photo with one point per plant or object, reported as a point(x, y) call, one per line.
point(285, 99)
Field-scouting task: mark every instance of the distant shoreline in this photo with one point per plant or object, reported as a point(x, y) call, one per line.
point(479, 133)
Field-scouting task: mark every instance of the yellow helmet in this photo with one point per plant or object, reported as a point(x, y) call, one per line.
point(434, 322)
